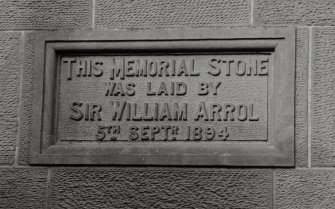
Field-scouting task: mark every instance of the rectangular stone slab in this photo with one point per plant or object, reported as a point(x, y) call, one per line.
point(221, 97)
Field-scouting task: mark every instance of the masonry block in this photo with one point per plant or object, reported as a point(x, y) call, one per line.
point(9, 94)
point(294, 12)
point(23, 188)
point(31, 39)
point(301, 114)
point(304, 189)
point(160, 188)
point(323, 97)
point(174, 13)
point(45, 14)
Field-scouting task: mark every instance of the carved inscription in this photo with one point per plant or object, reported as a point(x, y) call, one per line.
point(163, 98)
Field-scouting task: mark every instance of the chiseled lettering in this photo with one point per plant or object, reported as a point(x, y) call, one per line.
point(130, 68)
point(202, 112)
point(251, 67)
point(163, 66)
point(225, 112)
point(77, 113)
point(240, 67)
point(117, 69)
point(182, 69)
point(205, 88)
point(162, 89)
point(149, 91)
point(215, 67)
point(154, 131)
point(242, 112)
point(263, 66)
point(148, 111)
point(215, 110)
point(180, 114)
point(134, 115)
point(192, 70)
point(119, 89)
point(166, 129)
point(133, 135)
point(117, 109)
point(141, 68)
point(167, 89)
point(252, 116)
point(165, 113)
point(69, 62)
point(146, 115)
point(152, 67)
point(82, 68)
point(145, 133)
point(228, 113)
point(90, 111)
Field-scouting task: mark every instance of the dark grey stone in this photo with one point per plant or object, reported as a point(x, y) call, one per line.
point(160, 188)
point(173, 13)
point(312, 188)
point(9, 94)
point(297, 12)
point(323, 97)
point(26, 98)
point(45, 14)
point(67, 89)
point(301, 97)
point(22, 188)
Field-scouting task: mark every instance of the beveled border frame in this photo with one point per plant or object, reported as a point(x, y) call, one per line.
point(277, 151)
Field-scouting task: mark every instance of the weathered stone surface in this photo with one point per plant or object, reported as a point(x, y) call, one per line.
point(160, 188)
point(300, 12)
point(146, 14)
point(26, 98)
point(9, 94)
point(301, 97)
point(323, 97)
point(45, 14)
point(23, 188)
point(304, 189)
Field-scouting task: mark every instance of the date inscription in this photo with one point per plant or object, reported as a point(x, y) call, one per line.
point(163, 98)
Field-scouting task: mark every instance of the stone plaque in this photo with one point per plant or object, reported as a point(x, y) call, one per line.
point(167, 97)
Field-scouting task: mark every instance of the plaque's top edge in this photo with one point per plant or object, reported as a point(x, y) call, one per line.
point(174, 33)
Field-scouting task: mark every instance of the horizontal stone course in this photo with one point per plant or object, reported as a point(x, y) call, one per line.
point(45, 14)
point(323, 97)
point(9, 94)
point(305, 188)
point(160, 188)
point(173, 13)
point(22, 188)
point(294, 12)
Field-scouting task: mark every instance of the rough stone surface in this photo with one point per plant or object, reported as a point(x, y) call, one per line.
point(160, 188)
point(26, 98)
point(300, 12)
point(323, 97)
point(304, 189)
point(22, 188)
point(9, 94)
point(301, 97)
point(45, 14)
point(174, 13)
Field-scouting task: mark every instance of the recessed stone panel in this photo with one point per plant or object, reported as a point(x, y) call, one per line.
point(172, 97)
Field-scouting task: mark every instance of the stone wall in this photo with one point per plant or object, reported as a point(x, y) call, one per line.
point(310, 185)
